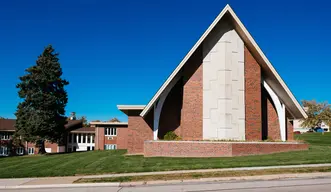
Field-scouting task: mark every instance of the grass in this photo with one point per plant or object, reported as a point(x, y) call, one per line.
point(101, 162)
point(183, 176)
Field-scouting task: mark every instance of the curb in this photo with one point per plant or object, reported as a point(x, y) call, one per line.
point(230, 179)
point(177, 182)
point(62, 186)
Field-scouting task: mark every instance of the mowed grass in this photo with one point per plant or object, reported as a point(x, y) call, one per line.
point(183, 176)
point(101, 162)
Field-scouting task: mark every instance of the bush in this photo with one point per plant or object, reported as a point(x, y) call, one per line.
point(171, 136)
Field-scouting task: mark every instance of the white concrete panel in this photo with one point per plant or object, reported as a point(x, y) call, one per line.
point(223, 87)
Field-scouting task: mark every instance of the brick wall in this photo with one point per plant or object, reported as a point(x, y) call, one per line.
point(216, 149)
point(243, 149)
point(120, 140)
point(273, 122)
point(191, 114)
point(186, 149)
point(53, 146)
point(253, 105)
point(289, 129)
point(99, 139)
point(31, 145)
point(139, 130)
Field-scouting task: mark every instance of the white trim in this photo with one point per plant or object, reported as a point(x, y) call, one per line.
point(110, 130)
point(31, 150)
point(280, 108)
point(131, 107)
point(107, 123)
point(114, 146)
point(158, 107)
point(248, 40)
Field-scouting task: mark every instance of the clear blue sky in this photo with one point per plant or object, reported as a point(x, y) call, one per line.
point(120, 52)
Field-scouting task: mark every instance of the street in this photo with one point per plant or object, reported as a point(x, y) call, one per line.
point(288, 185)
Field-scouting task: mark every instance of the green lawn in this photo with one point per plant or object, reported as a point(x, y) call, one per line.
point(100, 162)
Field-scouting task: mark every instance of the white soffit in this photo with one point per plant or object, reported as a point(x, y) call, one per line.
point(285, 94)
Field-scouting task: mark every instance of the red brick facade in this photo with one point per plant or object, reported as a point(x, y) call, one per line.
point(243, 149)
point(273, 122)
point(191, 114)
point(289, 129)
point(99, 138)
point(216, 149)
point(120, 140)
point(52, 146)
point(253, 105)
point(139, 130)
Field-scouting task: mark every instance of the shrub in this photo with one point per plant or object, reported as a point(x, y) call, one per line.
point(171, 136)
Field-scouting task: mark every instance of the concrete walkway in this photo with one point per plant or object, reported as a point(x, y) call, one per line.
point(56, 181)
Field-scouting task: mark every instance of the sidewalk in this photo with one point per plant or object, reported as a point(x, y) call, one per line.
point(65, 181)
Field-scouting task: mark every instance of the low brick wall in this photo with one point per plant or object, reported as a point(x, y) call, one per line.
point(217, 149)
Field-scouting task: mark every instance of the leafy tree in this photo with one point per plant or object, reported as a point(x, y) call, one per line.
point(85, 122)
point(40, 116)
point(317, 113)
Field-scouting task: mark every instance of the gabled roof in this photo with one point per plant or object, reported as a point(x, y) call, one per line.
point(7, 124)
point(271, 75)
point(84, 130)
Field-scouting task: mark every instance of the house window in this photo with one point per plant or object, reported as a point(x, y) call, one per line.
point(88, 138)
point(92, 138)
point(88, 148)
point(110, 147)
point(30, 150)
point(19, 151)
point(84, 138)
point(70, 138)
point(3, 151)
point(92, 148)
point(110, 131)
point(75, 138)
point(79, 138)
point(4, 136)
point(74, 149)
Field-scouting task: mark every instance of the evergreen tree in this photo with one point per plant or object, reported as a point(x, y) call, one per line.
point(40, 116)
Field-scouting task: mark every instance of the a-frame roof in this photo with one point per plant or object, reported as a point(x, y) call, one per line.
point(271, 75)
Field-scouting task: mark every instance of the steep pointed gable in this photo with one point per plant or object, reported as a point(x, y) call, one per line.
point(271, 76)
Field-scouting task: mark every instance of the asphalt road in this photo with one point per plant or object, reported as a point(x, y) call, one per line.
point(288, 185)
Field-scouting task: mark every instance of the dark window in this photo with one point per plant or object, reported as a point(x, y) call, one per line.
point(92, 148)
point(75, 138)
point(70, 138)
point(92, 138)
point(88, 148)
point(84, 138)
point(74, 148)
point(88, 138)
point(79, 138)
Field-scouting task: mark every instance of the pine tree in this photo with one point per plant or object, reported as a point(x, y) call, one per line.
point(40, 115)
